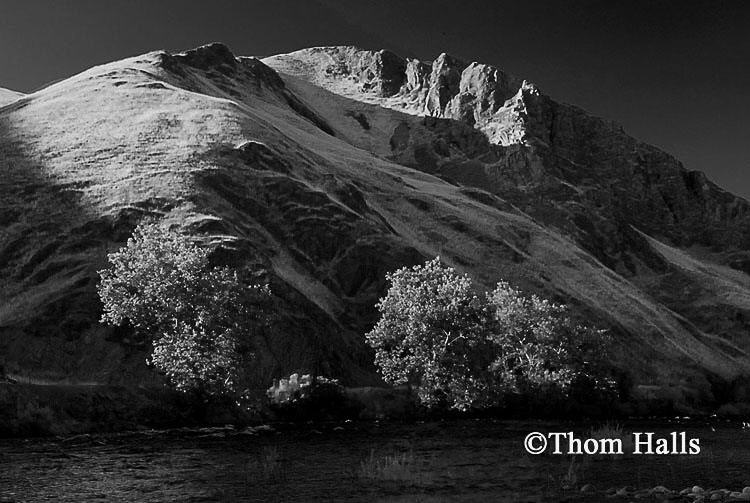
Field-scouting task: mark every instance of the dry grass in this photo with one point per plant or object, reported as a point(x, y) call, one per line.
point(613, 431)
point(398, 467)
point(266, 466)
point(271, 465)
point(574, 474)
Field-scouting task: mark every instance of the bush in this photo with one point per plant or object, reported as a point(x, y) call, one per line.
point(462, 351)
point(306, 398)
point(197, 317)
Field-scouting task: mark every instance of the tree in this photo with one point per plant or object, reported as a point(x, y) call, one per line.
point(456, 348)
point(430, 335)
point(540, 350)
point(198, 318)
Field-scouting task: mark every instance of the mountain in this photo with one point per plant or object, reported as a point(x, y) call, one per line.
point(326, 168)
point(8, 96)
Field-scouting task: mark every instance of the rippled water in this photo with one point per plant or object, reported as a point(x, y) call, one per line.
point(449, 461)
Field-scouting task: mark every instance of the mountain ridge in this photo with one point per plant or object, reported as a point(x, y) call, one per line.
point(543, 132)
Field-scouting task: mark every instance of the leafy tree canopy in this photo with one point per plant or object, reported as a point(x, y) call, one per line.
point(198, 318)
point(463, 350)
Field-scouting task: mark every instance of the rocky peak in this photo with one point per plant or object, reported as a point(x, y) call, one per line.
point(207, 56)
point(447, 87)
point(216, 63)
point(382, 72)
point(482, 91)
point(445, 81)
point(417, 76)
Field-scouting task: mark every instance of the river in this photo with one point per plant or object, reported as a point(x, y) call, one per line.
point(463, 460)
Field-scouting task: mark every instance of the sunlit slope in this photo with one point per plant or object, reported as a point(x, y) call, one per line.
point(8, 96)
point(278, 179)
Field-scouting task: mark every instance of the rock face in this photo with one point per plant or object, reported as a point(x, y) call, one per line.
point(379, 72)
point(328, 167)
point(445, 81)
point(417, 78)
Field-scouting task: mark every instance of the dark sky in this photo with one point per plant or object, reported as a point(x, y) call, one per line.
point(675, 73)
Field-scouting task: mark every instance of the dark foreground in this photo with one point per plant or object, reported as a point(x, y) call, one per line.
point(448, 461)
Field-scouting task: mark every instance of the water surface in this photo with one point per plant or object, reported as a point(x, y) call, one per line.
point(445, 461)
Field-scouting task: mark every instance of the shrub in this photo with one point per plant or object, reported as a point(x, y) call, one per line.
point(306, 398)
point(199, 318)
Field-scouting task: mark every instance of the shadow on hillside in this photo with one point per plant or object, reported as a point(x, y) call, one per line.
point(51, 245)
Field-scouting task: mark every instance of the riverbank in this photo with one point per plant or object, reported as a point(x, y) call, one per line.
point(30, 410)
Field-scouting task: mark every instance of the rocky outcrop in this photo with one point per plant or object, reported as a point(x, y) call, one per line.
point(417, 78)
point(205, 57)
point(382, 71)
point(445, 81)
point(379, 72)
point(482, 91)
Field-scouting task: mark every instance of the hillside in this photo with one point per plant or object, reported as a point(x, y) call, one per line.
point(329, 167)
point(8, 96)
